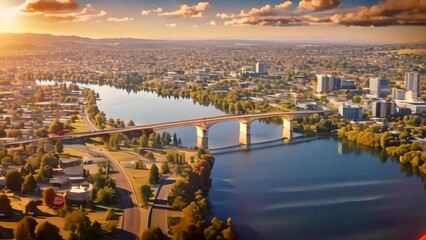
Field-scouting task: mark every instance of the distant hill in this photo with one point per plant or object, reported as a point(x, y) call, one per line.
point(30, 41)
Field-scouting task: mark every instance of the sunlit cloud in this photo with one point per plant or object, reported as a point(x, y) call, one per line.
point(86, 14)
point(316, 5)
point(124, 19)
point(49, 5)
point(212, 23)
point(171, 25)
point(186, 11)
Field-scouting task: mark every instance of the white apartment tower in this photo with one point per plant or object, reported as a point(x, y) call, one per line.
point(260, 68)
point(412, 83)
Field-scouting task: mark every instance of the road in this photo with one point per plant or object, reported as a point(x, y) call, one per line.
point(132, 214)
point(89, 124)
point(160, 210)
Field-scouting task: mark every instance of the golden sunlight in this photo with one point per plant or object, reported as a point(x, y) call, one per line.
point(8, 18)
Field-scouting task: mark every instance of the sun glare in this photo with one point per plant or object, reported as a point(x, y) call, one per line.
point(8, 18)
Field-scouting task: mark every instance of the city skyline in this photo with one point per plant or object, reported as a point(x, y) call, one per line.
point(366, 21)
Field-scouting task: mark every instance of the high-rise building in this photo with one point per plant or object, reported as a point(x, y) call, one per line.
point(379, 87)
point(398, 94)
point(327, 83)
point(412, 83)
point(260, 68)
point(383, 109)
point(351, 112)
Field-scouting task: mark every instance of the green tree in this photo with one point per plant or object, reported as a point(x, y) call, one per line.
point(59, 148)
point(164, 168)
point(46, 230)
point(143, 141)
point(17, 158)
point(153, 233)
point(106, 195)
point(146, 194)
point(6, 161)
point(214, 231)
point(49, 196)
point(29, 185)
point(13, 180)
point(150, 156)
point(24, 230)
point(154, 177)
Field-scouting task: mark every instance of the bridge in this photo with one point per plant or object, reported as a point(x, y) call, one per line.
point(202, 125)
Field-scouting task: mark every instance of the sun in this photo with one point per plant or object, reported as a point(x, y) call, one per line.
point(8, 18)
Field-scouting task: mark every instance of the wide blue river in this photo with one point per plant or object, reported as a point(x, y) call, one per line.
point(323, 189)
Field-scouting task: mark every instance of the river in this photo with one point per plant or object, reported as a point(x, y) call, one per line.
point(323, 189)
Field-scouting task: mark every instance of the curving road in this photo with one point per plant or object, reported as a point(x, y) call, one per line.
point(131, 220)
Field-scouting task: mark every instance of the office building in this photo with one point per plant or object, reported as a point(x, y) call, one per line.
point(379, 87)
point(398, 94)
point(260, 68)
point(412, 83)
point(327, 83)
point(383, 109)
point(351, 112)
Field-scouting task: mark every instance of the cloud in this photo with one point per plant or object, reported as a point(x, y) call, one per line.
point(186, 11)
point(148, 12)
point(124, 19)
point(171, 25)
point(49, 5)
point(316, 5)
point(277, 21)
point(87, 13)
point(385, 13)
point(266, 10)
point(389, 12)
point(212, 23)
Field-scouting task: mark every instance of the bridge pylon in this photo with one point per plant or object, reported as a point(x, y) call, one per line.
point(202, 137)
point(287, 129)
point(245, 138)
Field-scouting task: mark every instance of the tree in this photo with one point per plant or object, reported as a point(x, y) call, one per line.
point(170, 157)
point(143, 141)
point(49, 196)
point(213, 232)
point(153, 233)
point(17, 158)
point(29, 185)
point(59, 148)
point(229, 233)
point(46, 230)
point(55, 126)
point(76, 219)
point(164, 168)
point(13, 180)
point(50, 159)
point(5, 204)
point(146, 194)
point(154, 177)
point(150, 156)
point(24, 230)
point(6, 161)
point(106, 195)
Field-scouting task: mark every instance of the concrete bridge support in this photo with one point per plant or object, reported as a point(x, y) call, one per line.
point(287, 129)
point(245, 134)
point(202, 137)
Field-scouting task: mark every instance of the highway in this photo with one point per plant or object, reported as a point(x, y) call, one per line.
point(160, 210)
point(131, 220)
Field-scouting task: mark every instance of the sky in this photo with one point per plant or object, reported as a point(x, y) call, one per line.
point(387, 21)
